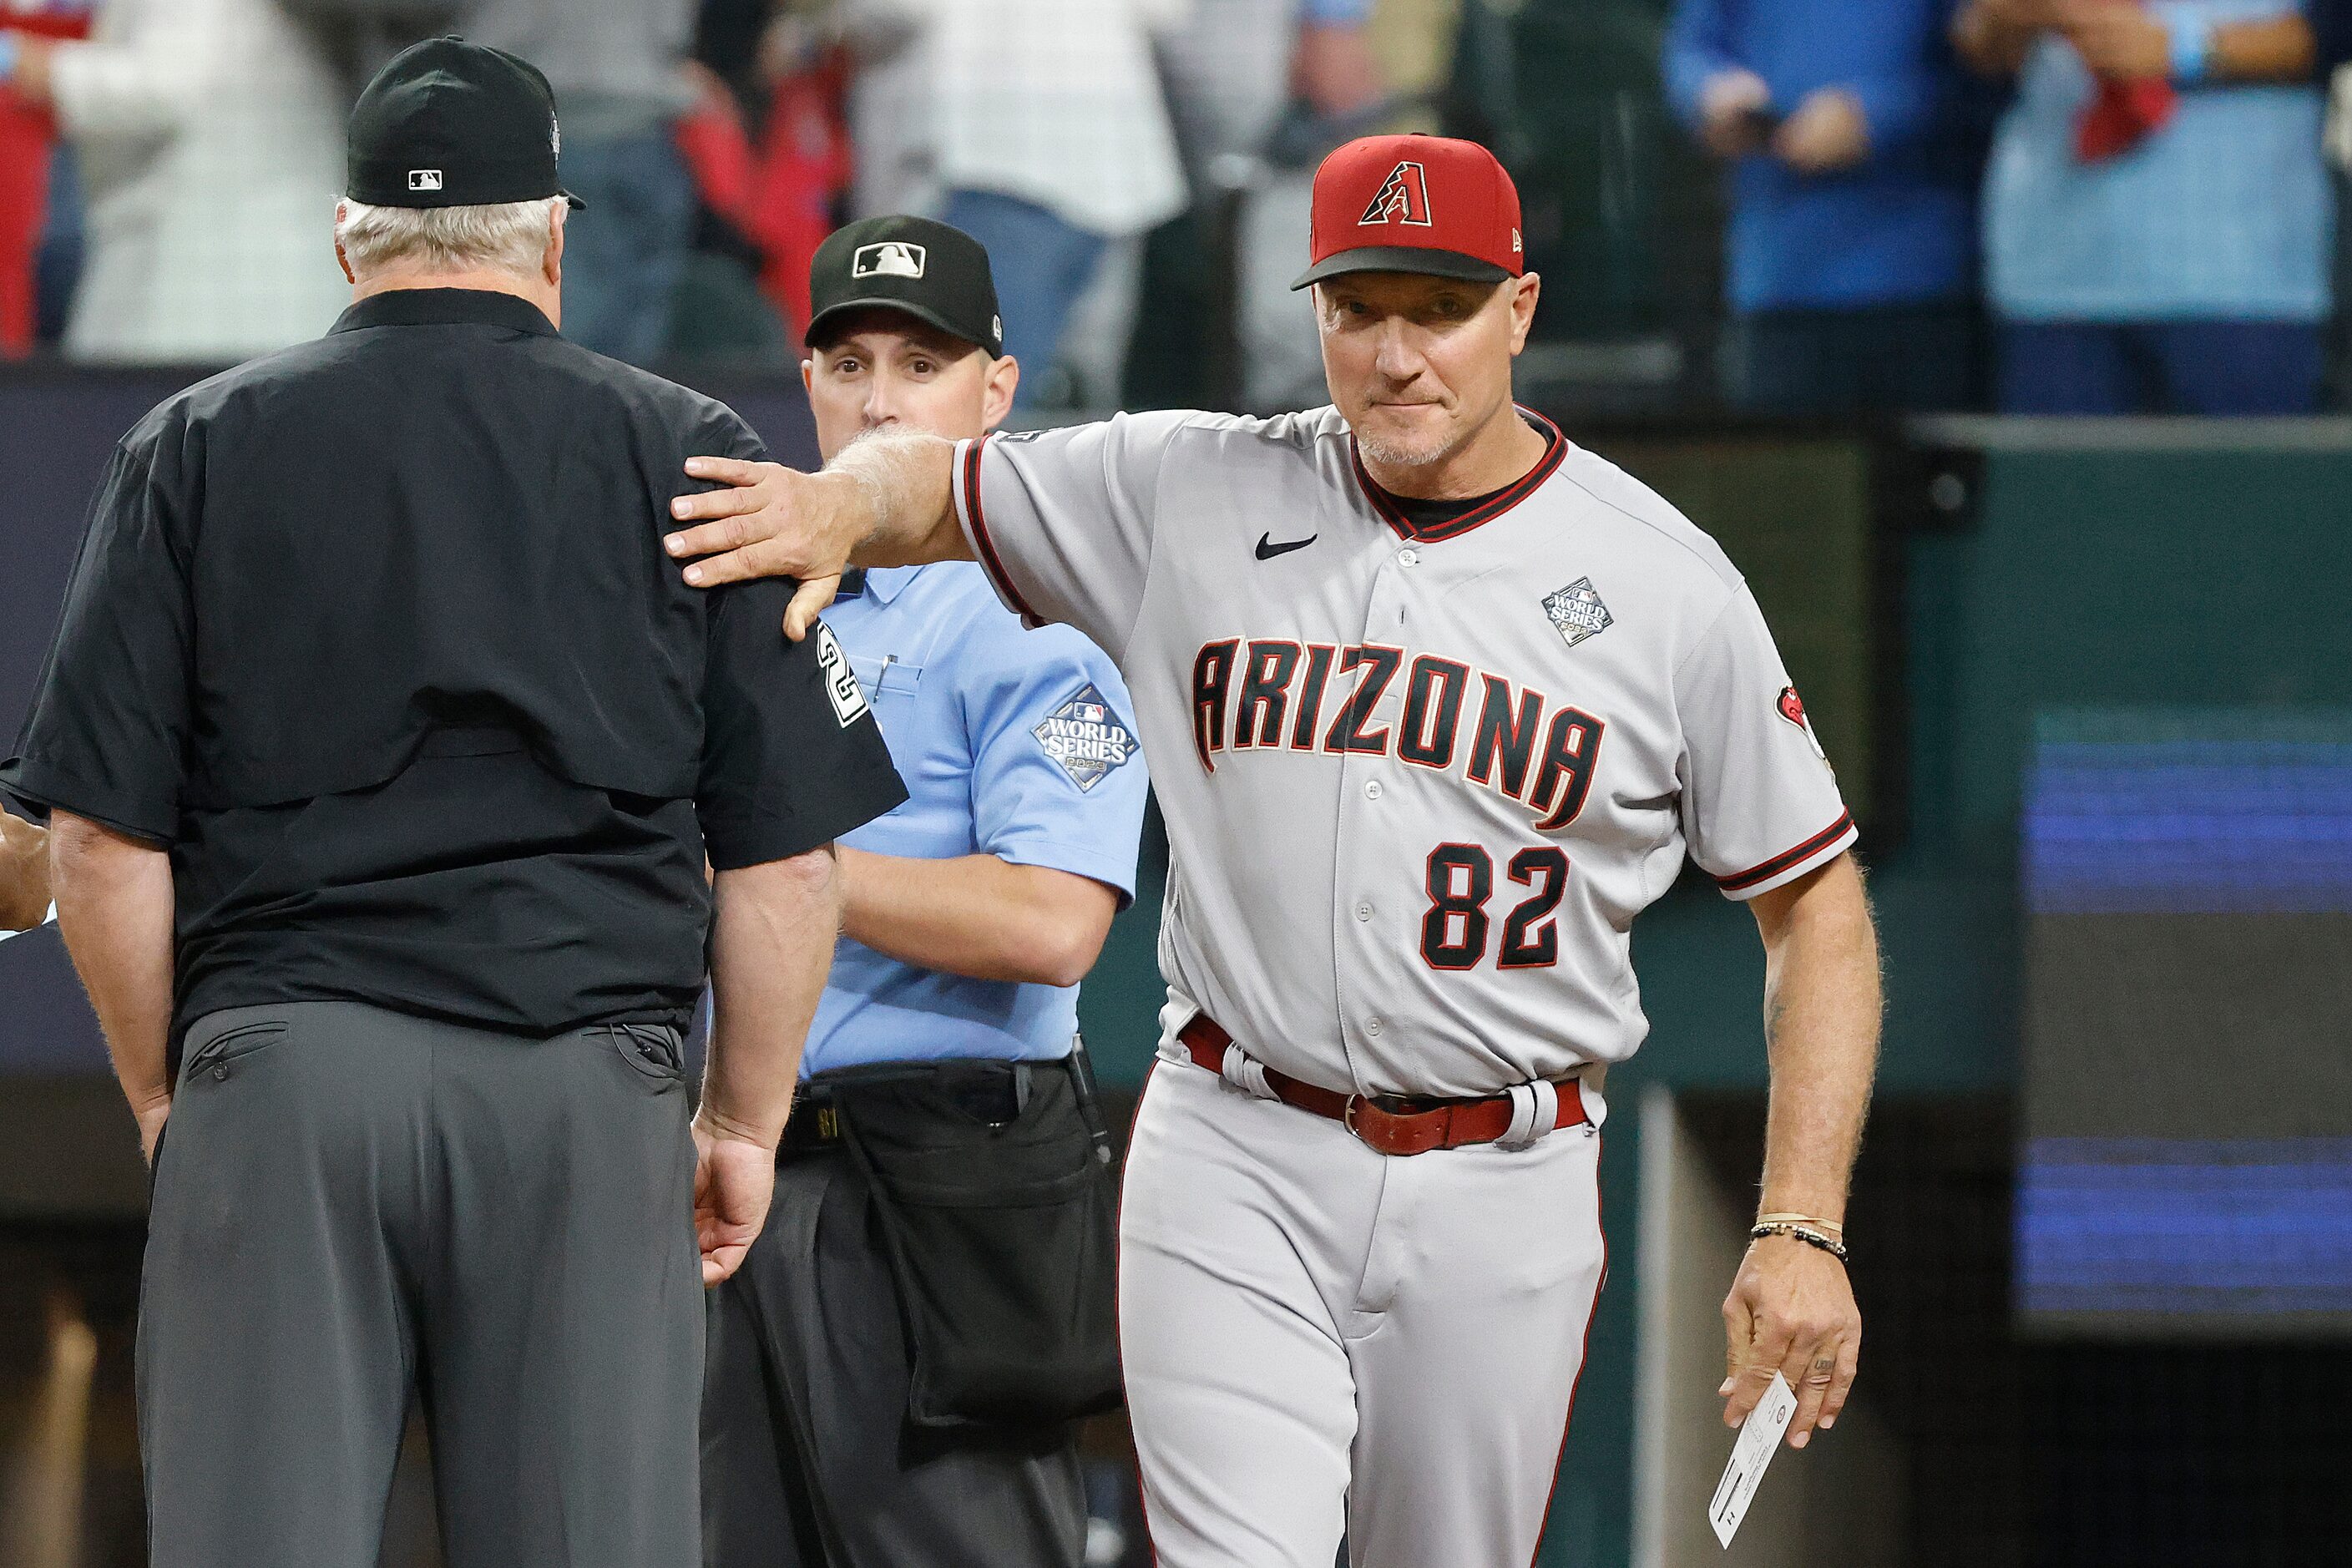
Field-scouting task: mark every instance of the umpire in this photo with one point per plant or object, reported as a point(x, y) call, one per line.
point(893, 1370)
point(385, 749)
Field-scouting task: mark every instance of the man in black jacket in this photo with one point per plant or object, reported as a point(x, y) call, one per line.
point(384, 752)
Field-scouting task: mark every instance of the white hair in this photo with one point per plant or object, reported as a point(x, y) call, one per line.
point(507, 237)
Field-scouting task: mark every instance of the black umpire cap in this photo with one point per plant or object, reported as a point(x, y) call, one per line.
point(931, 271)
point(452, 124)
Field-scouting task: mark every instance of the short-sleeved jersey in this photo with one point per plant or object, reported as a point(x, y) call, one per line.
point(1013, 742)
point(1417, 784)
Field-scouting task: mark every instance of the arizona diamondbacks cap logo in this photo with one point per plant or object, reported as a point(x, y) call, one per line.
point(1084, 737)
point(1403, 197)
point(1577, 611)
point(889, 258)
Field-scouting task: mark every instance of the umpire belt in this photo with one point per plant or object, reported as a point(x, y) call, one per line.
point(810, 1128)
point(994, 1091)
point(1395, 1123)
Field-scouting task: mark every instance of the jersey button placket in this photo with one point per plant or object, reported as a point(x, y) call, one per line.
point(1364, 847)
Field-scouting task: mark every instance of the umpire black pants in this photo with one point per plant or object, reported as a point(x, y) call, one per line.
point(351, 1204)
point(808, 1460)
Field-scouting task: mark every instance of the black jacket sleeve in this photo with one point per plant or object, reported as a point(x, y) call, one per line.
point(791, 758)
point(107, 736)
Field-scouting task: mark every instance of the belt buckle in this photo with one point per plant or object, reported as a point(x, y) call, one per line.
point(1387, 1143)
point(828, 1123)
point(1356, 1129)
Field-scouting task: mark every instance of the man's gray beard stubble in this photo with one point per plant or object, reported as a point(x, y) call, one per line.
point(1381, 451)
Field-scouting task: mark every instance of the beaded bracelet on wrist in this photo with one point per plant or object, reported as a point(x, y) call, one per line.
point(1804, 1233)
point(1831, 1225)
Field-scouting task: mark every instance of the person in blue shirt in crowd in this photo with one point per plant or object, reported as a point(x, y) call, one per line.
point(1852, 242)
point(2157, 209)
point(2331, 26)
point(881, 1391)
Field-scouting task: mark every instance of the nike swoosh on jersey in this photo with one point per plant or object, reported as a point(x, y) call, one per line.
point(1267, 549)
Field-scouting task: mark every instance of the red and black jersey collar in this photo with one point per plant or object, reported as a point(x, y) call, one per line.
point(1489, 508)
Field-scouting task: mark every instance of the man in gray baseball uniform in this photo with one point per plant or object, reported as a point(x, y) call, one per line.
point(1436, 703)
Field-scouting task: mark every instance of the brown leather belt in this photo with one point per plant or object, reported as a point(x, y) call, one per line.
point(1389, 1124)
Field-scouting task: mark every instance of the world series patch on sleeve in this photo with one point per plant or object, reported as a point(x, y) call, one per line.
point(1084, 737)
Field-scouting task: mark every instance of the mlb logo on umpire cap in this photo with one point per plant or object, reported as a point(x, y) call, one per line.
point(423, 179)
point(889, 258)
point(1403, 197)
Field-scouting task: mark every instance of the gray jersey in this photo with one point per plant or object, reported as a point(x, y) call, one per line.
point(1417, 787)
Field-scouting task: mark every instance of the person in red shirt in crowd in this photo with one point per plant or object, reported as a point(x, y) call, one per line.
point(768, 144)
point(27, 135)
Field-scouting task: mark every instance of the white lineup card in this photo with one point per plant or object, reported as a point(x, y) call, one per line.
point(1760, 1438)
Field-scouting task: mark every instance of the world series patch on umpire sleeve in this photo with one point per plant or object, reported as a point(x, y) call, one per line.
point(840, 681)
point(1084, 737)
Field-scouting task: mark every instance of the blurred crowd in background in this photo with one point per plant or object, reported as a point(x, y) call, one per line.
point(1824, 207)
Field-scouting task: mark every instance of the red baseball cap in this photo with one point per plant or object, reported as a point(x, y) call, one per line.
point(1414, 204)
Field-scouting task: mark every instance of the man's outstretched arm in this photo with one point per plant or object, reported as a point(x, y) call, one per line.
point(1792, 1308)
point(887, 500)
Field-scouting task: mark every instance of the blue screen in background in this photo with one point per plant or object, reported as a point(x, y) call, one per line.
point(2188, 1055)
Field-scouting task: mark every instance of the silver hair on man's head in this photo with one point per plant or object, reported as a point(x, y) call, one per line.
point(508, 236)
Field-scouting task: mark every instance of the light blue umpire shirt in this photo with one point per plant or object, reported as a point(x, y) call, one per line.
point(1013, 742)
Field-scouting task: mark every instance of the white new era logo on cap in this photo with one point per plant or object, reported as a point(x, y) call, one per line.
point(423, 179)
point(889, 258)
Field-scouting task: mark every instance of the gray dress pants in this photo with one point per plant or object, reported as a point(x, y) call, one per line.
point(351, 1205)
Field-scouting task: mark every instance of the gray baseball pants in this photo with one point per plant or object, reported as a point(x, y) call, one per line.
point(1323, 1341)
point(352, 1205)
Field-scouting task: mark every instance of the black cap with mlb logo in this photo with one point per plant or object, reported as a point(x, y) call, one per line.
point(935, 273)
point(452, 124)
